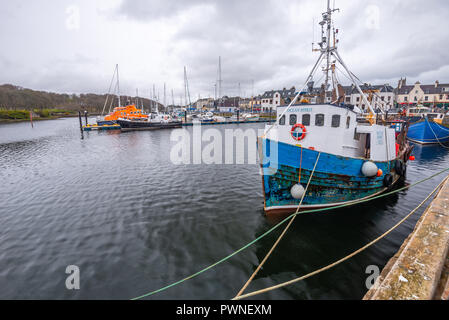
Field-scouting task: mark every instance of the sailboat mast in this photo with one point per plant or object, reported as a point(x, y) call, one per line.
point(118, 87)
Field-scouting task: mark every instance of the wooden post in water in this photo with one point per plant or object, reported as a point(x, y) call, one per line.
point(185, 116)
point(85, 116)
point(81, 124)
point(31, 119)
point(238, 115)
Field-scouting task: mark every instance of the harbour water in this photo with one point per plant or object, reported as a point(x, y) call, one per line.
point(114, 205)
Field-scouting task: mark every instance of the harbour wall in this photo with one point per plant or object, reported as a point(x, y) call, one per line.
point(420, 269)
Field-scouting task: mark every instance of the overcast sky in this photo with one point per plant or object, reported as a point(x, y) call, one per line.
point(73, 46)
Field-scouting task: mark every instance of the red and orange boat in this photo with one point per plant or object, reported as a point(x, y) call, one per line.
point(128, 112)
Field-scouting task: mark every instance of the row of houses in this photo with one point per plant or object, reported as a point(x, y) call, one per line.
point(385, 96)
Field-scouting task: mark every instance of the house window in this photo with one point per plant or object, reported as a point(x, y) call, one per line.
point(348, 122)
point(358, 99)
point(293, 119)
point(319, 120)
point(389, 98)
point(306, 119)
point(382, 98)
point(348, 99)
point(335, 121)
point(441, 97)
point(405, 99)
point(427, 98)
point(282, 121)
point(416, 98)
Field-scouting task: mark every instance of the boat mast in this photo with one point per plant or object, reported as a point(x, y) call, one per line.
point(118, 87)
point(327, 19)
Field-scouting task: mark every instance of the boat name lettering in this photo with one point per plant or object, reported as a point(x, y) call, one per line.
point(300, 110)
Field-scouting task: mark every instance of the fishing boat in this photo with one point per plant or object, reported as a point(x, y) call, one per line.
point(428, 131)
point(319, 155)
point(418, 113)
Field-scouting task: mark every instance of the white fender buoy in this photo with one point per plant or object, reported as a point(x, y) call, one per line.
point(369, 169)
point(297, 191)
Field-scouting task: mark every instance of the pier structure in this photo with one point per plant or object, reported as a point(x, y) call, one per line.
point(420, 269)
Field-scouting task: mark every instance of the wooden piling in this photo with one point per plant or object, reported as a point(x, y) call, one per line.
point(81, 124)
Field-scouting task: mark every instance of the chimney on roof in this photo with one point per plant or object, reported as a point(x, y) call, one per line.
point(437, 83)
point(402, 82)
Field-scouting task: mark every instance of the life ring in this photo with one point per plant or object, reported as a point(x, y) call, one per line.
point(295, 134)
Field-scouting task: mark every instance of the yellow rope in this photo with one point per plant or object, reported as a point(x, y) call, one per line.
point(345, 258)
point(283, 232)
point(430, 126)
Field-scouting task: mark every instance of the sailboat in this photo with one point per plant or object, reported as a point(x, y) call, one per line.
point(129, 111)
point(320, 155)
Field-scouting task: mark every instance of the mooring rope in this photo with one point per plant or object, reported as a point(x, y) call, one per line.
point(284, 284)
point(441, 144)
point(283, 232)
point(283, 222)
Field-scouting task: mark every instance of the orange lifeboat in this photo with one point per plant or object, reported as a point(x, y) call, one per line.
point(128, 112)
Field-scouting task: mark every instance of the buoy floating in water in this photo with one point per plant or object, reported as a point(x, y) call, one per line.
point(380, 173)
point(412, 158)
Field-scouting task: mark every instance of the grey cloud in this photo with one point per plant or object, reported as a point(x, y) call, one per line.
point(268, 41)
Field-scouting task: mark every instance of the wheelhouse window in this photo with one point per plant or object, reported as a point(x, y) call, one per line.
point(282, 121)
point(336, 121)
point(319, 120)
point(306, 120)
point(293, 119)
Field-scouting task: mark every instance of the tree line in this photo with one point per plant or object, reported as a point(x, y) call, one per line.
point(17, 98)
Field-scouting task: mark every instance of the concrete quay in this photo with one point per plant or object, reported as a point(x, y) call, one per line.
point(420, 269)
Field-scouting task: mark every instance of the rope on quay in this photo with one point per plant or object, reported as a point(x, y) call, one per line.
point(280, 224)
point(284, 284)
point(283, 232)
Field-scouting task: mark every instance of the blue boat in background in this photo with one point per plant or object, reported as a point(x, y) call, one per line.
point(428, 132)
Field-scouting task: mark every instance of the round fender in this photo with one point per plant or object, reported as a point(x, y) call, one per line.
point(399, 167)
point(388, 180)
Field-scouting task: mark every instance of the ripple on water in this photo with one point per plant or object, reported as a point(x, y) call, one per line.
point(114, 205)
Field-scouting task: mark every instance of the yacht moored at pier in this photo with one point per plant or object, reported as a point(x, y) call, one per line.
point(320, 155)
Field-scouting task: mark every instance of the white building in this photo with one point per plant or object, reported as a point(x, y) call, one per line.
point(270, 100)
point(381, 96)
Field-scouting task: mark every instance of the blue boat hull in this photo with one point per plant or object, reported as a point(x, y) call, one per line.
point(337, 180)
point(428, 132)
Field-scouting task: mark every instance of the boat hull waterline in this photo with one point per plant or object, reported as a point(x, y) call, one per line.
point(127, 125)
point(337, 180)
